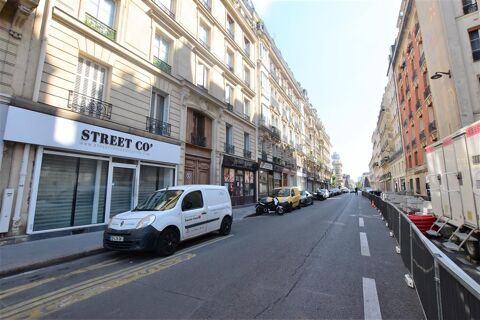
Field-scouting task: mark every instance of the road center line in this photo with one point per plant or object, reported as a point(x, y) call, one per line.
point(371, 306)
point(364, 244)
point(361, 223)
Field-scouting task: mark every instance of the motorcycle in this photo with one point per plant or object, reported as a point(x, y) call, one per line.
point(264, 206)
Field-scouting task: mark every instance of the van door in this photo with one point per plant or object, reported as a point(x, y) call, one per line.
point(194, 215)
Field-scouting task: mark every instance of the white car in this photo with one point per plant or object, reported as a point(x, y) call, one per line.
point(169, 216)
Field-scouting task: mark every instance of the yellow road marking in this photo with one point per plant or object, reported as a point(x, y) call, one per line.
point(14, 290)
point(57, 300)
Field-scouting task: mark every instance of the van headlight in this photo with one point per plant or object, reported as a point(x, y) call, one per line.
point(145, 222)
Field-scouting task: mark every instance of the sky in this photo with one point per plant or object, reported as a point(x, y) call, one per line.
point(338, 50)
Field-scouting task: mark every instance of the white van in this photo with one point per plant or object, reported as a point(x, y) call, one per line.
point(169, 216)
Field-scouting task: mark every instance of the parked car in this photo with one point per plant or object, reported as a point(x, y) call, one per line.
point(344, 190)
point(306, 198)
point(322, 194)
point(334, 192)
point(169, 216)
point(288, 197)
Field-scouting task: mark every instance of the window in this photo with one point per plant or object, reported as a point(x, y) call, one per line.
point(193, 200)
point(102, 10)
point(417, 183)
point(228, 94)
point(154, 178)
point(159, 107)
point(246, 141)
point(203, 35)
point(88, 95)
point(229, 134)
point(167, 4)
point(246, 46)
point(202, 75)
point(71, 192)
point(229, 59)
point(198, 124)
point(415, 158)
point(230, 26)
point(469, 6)
point(246, 107)
point(264, 84)
point(475, 43)
point(161, 48)
point(246, 76)
point(263, 51)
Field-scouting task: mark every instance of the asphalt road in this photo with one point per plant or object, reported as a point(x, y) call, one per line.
point(318, 262)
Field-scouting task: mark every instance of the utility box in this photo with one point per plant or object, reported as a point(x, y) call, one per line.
point(6, 213)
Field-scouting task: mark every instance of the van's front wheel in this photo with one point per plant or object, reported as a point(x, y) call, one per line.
point(226, 226)
point(167, 242)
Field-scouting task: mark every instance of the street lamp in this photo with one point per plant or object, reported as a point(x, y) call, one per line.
point(440, 74)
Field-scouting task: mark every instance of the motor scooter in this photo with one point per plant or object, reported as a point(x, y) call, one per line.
point(264, 206)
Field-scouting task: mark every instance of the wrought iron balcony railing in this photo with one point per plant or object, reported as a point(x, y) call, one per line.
point(276, 160)
point(264, 155)
point(275, 133)
point(229, 107)
point(247, 154)
point(162, 65)
point(470, 7)
point(229, 148)
point(100, 27)
point(89, 106)
point(164, 9)
point(198, 140)
point(158, 127)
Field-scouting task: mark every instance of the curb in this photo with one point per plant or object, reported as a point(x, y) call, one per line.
point(48, 263)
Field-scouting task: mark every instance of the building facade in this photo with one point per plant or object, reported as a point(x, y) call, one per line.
point(94, 117)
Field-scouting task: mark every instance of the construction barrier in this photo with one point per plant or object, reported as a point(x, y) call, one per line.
point(445, 291)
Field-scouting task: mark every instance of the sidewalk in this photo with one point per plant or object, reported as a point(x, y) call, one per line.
point(30, 255)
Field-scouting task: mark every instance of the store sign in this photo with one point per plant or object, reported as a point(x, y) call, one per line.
point(266, 165)
point(50, 131)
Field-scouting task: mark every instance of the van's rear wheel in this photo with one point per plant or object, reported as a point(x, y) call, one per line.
point(226, 226)
point(167, 242)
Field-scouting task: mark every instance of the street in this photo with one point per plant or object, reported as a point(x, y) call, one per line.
point(333, 259)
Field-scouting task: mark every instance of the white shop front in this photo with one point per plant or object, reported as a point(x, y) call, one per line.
point(85, 174)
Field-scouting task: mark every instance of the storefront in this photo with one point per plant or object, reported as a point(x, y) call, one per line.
point(270, 176)
point(239, 178)
point(85, 174)
point(310, 182)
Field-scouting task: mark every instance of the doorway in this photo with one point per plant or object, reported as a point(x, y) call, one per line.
point(122, 194)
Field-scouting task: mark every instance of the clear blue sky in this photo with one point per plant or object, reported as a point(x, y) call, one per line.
point(338, 50)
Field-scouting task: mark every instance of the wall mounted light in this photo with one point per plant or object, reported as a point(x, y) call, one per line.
point(440, 74)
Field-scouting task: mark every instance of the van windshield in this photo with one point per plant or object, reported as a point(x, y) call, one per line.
point(160, 201)
point(280, 193)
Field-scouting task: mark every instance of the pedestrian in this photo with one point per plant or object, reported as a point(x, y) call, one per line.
point(356, 191)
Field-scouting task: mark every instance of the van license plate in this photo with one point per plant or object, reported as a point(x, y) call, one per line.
point(116, 238)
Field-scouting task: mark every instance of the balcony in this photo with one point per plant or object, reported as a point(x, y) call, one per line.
point(158, 127)
point(264, 156)
point(162, 65)
point(276, 160)
point(89, 106)
point(247, 154)
point(275, 133)
point(470, 7)
point(164, 9)
point(229, 107)
point(246, 117)
point(229, 148)
point(426, 93)
point(198, 140)
point(422, 135)
point(100, 27)
point(432, 126)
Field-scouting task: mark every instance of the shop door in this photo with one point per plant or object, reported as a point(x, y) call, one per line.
point(122, 196)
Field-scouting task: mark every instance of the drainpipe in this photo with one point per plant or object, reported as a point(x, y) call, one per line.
point(47, 12)
point(21, 183)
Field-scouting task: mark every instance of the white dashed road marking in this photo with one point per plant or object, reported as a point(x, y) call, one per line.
point(361, 223)
point(364, 244)
point(371, 306)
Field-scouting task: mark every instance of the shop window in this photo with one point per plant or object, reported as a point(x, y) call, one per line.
point(71, 192)
point(193, 200)
point(154, 178)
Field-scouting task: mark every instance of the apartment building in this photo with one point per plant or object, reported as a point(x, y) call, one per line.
point(290, 143)
point(337, 170)
point(451, 42)
point(417, 108)
point(95, 114)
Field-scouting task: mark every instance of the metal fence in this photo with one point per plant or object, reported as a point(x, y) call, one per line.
point(445, 291)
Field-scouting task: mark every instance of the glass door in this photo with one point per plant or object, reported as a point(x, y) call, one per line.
point(123, 188)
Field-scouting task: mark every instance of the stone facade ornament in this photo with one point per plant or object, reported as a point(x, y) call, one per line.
point(22, 12)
